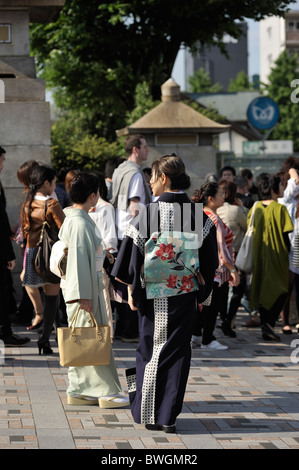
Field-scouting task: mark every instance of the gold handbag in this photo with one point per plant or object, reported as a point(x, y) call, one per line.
point(84, 346)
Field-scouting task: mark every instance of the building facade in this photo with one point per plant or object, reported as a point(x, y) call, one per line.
point(276, 35)
point(219, 67)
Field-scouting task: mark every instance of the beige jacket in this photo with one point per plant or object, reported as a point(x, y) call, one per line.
point(234, 217)
point(31, 226)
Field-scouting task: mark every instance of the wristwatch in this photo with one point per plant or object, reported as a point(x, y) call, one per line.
point(233, 270)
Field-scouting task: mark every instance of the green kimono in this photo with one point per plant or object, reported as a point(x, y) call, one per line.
point(270, 254)
point(83, 280)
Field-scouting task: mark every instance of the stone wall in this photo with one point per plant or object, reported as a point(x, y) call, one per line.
point(198, 159)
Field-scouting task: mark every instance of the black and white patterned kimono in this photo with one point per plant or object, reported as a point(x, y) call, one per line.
point(157, 385)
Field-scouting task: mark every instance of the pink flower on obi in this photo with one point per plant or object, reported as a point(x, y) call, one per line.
point(187, 284)
point(172, 280)
point(165, 252)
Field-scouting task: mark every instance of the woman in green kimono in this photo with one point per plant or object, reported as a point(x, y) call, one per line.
point(89, 385)
point(269, 285)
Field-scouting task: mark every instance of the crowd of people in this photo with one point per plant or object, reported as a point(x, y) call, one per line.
point(138, 261)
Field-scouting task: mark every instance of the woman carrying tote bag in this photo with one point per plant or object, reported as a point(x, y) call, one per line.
point(83, 285)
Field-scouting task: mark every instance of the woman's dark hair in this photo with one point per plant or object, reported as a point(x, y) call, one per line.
point(206, 190)
point(38, 176)
point(246, 173)
point(102, 184)
point(290, 162)
point(69, 177)
point(82, 185)
point(230, 191)
point(173, 167)
point(265, 183)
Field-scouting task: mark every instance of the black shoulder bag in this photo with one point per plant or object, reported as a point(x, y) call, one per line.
point(48, 237)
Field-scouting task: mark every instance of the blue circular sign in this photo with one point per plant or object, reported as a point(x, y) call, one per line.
point(263, 113)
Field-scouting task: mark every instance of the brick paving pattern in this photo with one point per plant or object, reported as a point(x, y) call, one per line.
point(246, 397)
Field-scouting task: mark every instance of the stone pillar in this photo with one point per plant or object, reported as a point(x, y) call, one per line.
point(25, 130)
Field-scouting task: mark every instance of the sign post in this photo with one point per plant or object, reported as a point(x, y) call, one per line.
point(263, 114)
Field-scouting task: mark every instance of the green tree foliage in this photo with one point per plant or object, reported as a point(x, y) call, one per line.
point(240, 83)
point(200, 82)
point(144, 102)
point(96, 53)
point(73, 147)
point(210, 112)
point(279, 88)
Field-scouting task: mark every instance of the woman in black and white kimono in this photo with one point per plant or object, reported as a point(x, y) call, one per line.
point(168, 260)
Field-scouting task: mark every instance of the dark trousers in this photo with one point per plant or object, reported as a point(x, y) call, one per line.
point(5, 293)
point(126, 322)
point(293, 282)
point(271, 316)
point(126, 325)
point(236, 298)
point(206, 319)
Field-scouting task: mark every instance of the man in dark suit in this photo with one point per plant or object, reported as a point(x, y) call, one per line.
point(7, 263)
point(243, 192)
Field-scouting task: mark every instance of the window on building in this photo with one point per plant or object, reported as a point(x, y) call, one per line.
point(181, 139)
point(5, 33)
point(2, 91)
point(270, 60)
point(291, 25)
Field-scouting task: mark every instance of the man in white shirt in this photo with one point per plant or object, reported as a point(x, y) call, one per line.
point(129, 191)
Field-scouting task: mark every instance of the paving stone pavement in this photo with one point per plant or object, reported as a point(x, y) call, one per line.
point(246, 397)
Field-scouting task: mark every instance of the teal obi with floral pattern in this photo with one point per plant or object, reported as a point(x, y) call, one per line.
point(171, 264)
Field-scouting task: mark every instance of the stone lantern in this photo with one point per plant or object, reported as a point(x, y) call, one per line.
point(173, 126)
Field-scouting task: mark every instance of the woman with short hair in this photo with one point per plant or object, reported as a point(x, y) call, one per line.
point(211, 195)
point(83, 287)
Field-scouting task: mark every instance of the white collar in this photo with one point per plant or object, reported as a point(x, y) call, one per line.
point(41, 198)
point(176, 192)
